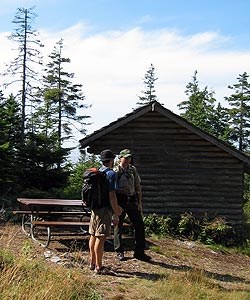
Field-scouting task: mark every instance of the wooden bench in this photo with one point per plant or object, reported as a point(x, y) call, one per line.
point(59, 223)
point(29, 219)
point(48, 213)
point(48, 224)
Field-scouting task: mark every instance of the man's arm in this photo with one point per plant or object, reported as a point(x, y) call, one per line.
point(116, 209)
point(138, 187)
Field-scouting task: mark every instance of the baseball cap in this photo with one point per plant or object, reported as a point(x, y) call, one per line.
point(107, 155)
point(125, 153)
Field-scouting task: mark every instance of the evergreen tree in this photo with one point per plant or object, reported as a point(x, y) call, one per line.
point(10, 126)
point(22, 68)
point(148, 95)
point(63, 99)
point(73, 188)
point(220, 123)
point(199, 107)
point(240, 112)
point(42, 157)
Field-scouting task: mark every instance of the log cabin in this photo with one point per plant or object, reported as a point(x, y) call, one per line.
point(183, 169)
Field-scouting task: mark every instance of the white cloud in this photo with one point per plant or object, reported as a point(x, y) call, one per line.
point(111, 66)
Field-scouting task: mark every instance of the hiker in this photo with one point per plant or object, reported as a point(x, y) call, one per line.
point(101, 218)
point(129, 199)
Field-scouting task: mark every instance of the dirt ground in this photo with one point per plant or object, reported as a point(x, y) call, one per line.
point(230, 271)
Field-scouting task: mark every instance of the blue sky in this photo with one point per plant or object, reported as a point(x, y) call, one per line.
point(111, 44)
point(228, 16)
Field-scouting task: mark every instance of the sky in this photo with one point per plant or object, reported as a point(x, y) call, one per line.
point(111, 44)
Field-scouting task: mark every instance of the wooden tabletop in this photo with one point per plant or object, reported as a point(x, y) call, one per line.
point(50, 202)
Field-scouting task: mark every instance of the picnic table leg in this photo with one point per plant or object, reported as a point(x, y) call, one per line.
point(26, 222)
point(46, 244)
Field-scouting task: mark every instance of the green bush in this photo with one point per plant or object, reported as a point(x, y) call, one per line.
point(216, 231)
point(75, 180)
point(208, 231)
point(246, 211)
point(159, 225)
point(188, 226)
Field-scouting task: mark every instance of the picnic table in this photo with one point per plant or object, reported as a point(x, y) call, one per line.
point(40, 214)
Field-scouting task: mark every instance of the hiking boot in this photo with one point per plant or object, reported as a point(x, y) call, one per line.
point(92, 267)
point(120, 256)
point(142, 257)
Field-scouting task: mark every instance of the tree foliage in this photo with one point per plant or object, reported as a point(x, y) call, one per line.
point(74, 184)
point(22, 68)
point(148, 95)
point(240, 112)
point(10, 125)
point(199, 109)
point(63, 100)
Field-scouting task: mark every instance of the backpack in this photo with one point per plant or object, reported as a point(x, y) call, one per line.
point(95, 192)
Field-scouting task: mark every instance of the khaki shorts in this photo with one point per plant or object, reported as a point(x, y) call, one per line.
point(100, 222)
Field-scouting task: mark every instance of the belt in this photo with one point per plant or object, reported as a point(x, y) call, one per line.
point(132, 198)
point(126, 198)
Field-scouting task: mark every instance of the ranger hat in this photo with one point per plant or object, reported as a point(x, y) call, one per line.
point(107, 155)
point(125, 153)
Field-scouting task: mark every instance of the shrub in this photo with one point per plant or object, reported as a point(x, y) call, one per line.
point(246, 211)
point(159, 225)
point(216, 231)
point(188, 226)
point(208, 231)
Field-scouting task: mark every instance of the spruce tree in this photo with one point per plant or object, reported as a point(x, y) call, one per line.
point(10, 124)
point(199, 107)
point(64, 99)
point(240, 112)
point(220, 123)
point(22, 69)
point(148, 95)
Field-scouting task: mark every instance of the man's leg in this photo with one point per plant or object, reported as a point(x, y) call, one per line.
point(118, 244)
point(99, 248)
point(92, 241)
point(135, 217)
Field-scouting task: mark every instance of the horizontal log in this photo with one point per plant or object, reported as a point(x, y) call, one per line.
point(168, 185)
point(210, 210)
point(173, 197)
point(205, 178)
point(163, 189)
point(178, 210)
point(167, 171)
point(226, 199)
point(195, 204)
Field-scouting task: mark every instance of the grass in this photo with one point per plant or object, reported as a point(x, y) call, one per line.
point(244, 249)
point(25, 277)
point(189, 286)
point(22, 278)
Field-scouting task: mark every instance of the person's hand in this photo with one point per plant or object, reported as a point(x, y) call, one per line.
point(119, 210)
point(115, 220)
